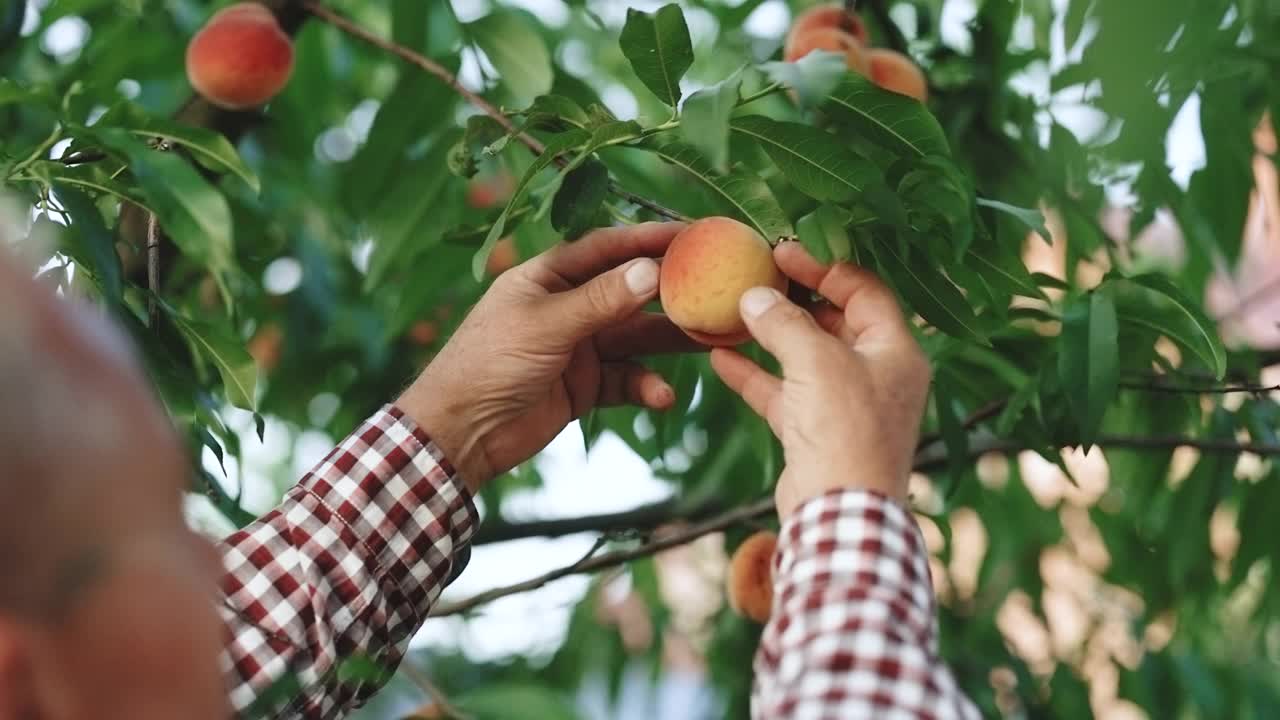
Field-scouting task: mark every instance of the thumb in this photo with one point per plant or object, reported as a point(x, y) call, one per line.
point(607, 299)
point(779, 325)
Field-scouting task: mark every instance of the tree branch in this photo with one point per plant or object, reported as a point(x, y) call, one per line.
point(320, 11)
point(726, 520)
point(644, 518)
point(892, 33)
point(764, 506)
point(1160, 386)
point(153, 267)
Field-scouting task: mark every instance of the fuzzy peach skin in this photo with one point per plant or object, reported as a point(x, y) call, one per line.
point(240, 58)
point(706, 269)
point(894, 71)
point(750, 577)
point(831, 40)
point(828, 16)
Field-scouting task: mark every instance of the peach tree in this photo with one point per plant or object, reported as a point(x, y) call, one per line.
point(1081, 218)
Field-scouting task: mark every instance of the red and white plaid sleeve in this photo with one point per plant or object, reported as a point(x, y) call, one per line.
point(345, 568)
point(854, 631)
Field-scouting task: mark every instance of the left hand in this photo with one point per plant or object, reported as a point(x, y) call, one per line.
point(553, 338)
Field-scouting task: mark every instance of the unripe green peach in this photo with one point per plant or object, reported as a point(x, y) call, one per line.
point(706, 269)
point(240, 58)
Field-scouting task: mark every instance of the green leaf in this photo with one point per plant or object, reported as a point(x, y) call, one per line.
point(12, 14)
point(816, 162)
point(812, 77)
point(952, 428)
point(929, 293)
point(578, 201)
point(192, 212)
point(555, 146)
point(209, 148)
point(824, 234)
point(704, 119)
point(535, 702)
point(900, 124)
point(742, 191)
point(90, 243)
point(556, 112)
point(222, 348)
point(659, 49)
point(399, 226)
point(1154, 302)
point(517, 52)
point(1089, 359)
point(1011, 277)
point(1030, 217)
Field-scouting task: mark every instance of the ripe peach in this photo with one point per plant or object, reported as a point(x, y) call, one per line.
point(832, 40)
point(750, 577)
point(240, 58)
point(894, 71)
point(486, 192)
point(705, 271)
point(423, 332)
point(267, 346)
point(829, 16)
point(503, 258)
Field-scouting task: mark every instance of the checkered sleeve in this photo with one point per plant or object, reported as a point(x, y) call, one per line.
point(853, 632)
point(345, 568)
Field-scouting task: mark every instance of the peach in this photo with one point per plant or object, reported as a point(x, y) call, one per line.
point(240, 58)
point(894, 71)
point(750, 577)
point(503, 257)
point(487, 192)
point(829, 16)
point(423, 333)
point(832, 40)
point(706, 269)
point(267, 346)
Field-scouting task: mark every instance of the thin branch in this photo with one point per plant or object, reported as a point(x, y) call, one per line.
point(726, 520)
point(644, 518)
point(433, 691)
point(979, 416)
point(764, 506)
point(153, 267)
point(892, 33)
point(1159, 386)
point(322, 12)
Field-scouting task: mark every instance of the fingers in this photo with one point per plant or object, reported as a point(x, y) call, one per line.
point(757, 387)
point(870, 308)
point(604, 301)
point(633, 384)
point(780, 326)
point(645, 334)
point(579, 261)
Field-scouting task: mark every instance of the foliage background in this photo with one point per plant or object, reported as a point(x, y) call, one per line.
point(301, 255)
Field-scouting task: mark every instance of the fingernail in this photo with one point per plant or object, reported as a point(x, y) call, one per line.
point(757, 300)
point(642, 277)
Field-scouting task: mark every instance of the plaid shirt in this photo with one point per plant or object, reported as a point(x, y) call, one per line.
point(350, 562)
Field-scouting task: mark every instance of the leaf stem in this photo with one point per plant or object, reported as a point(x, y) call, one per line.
point(40, 150)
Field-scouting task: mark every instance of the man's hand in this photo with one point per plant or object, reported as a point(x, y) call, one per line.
point(854, 385)
point(552, 339)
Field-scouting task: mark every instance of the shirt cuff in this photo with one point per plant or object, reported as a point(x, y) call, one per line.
point(859, 536)
point(401, 497)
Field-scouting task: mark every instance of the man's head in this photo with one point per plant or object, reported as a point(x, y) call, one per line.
point(105, 596)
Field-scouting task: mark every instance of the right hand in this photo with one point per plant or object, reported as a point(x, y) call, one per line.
point(854, 386)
